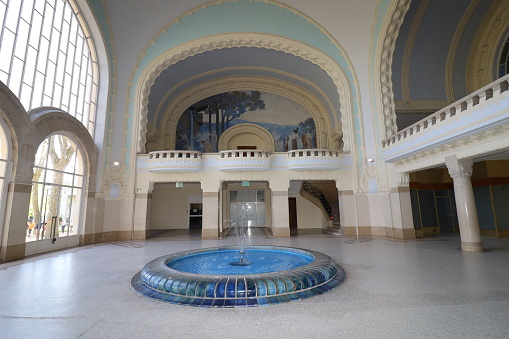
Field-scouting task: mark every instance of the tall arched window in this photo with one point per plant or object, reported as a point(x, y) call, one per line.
point(47, 57)
point(503, 64)
point(57, 190)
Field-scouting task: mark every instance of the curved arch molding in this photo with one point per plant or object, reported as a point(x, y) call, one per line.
point(304, 98)
point(243, 129)
point(286, 29)
point(394, 19)
point(232, 40)
point(482, 57)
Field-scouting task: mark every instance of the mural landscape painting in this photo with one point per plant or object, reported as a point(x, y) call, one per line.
point(201, 125)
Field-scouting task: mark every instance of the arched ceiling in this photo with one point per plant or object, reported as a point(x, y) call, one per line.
point(430, 62)
point(240, 61)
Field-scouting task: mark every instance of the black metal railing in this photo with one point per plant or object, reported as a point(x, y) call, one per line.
point(315, 192)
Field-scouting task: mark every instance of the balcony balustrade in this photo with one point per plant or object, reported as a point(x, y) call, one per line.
point(481, 110)
point(239, 160)
point(174, 161)
point(244, 160)
point(313, 159)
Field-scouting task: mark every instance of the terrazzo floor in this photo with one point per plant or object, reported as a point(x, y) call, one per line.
point(393, 289)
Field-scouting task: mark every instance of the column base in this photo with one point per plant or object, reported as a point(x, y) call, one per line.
point(209, 233)
point(396, 233)
point(12, 253)
point(471, 246)
point(280, 232)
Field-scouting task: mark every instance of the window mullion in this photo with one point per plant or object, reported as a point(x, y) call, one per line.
point(18, 90)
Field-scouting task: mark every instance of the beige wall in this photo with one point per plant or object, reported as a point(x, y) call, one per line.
point(491, 169)
point(431, 176)
point(246, 139)
point(170, 205)
point(309, 215)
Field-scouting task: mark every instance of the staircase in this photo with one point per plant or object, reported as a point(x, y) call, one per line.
point(336, 224)
point(317, 194)
point(331, 209)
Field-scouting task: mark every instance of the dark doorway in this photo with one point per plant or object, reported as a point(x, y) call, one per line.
point(246, 147)
point(292, 209)
point(445, 215)
point(195, 216)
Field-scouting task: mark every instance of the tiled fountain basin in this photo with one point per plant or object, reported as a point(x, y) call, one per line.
point(160, 282)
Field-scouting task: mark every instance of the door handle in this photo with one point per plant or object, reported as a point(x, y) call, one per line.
point(53, 229)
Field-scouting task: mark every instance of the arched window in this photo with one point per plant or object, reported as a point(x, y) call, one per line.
point(47, 57)
point(503, 65)
point(57, 190)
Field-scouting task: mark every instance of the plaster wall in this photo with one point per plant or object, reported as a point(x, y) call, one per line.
point(170, 205)
point(246, 139)
point(309, 215)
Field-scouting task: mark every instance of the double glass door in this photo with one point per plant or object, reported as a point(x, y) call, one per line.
point(58, 183)
point(248, 206)
point(57, 212)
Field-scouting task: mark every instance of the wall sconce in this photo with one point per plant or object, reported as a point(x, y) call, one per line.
point(116, 163)
point(371, 160)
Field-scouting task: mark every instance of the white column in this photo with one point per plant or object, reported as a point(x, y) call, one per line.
point(347, 212)
point(401, 209)
point(210, 218)
point(211, 205)
point(142, 211)
point(470, 233)
point(280, 210)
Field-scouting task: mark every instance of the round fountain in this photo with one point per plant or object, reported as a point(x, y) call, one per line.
point(238, 276)
point(207, 278)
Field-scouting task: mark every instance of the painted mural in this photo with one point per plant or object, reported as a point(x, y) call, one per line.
point(201, 125)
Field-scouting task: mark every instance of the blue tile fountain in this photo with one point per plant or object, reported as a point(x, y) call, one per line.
point(238, 276)
point(209, 278)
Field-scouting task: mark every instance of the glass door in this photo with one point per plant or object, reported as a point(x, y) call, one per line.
point(57, 194)
point(248, 206)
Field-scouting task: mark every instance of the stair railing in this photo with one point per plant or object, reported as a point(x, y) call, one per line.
point(315, 192)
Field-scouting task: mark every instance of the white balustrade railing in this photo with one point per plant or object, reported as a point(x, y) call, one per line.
point(176, 155)
point(313, 159)
point(244, 160)
point(174, 161)
point(481, 96)
point(313, 153)
point(244, 154)
point(239, 160)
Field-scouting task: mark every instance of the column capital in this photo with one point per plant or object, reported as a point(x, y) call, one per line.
point(403, 179)
point(279, 185)
point(459, 168)
point(210, 185)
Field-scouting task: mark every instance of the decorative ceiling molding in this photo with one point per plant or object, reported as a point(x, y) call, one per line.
point(231, 40)
point(482, 56)
point(304, 98)
point(398, 9)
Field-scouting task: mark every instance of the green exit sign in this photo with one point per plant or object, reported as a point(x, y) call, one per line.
point(245, 183)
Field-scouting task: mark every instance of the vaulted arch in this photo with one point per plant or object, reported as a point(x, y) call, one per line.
point(327, 137)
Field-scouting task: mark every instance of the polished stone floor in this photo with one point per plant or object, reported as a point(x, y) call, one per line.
point(393, 289)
